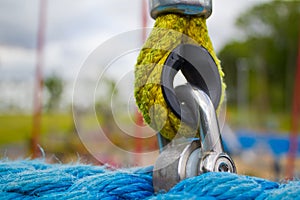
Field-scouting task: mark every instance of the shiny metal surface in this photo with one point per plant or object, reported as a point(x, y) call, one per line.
point(210, 133)
point(216, 162)
point(213, 157)
point(186, 7)
point(170, 167)
point(183, 158)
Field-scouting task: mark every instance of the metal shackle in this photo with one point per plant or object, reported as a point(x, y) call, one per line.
point(184, 158)
point(213, 157)
point(186, 7)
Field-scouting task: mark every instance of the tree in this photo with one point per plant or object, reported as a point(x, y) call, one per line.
point(269, 47)
point(54, 86)
point(103, 104)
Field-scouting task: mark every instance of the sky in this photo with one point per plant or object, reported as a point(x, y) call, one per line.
point(76, 28)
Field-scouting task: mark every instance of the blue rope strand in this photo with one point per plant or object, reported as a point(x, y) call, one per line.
point(27, 179)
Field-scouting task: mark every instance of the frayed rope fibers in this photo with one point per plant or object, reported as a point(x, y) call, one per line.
point(26, 179)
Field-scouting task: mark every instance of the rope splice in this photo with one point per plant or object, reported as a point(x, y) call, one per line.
point(170, 31)
point(180, 42)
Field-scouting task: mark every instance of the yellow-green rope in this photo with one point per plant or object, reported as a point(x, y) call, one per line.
point(169, 31)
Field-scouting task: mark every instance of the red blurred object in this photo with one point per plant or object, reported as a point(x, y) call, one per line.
point(138, 117)
point(294, 122)
point(38, 88)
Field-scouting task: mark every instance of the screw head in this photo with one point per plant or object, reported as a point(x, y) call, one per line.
point(224, 164)
point(223, 167)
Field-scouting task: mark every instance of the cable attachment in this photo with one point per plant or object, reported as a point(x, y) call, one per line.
point(195, 103)
point(201, 8)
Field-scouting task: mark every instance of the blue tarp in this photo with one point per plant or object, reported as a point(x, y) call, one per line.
point(278, 144)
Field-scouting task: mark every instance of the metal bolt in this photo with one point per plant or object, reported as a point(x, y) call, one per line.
point(223, 167)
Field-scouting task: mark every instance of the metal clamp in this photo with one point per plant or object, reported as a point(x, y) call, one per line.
point(186, 7)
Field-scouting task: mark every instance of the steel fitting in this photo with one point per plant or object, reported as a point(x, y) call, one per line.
point(186, 7)
point(181, 159)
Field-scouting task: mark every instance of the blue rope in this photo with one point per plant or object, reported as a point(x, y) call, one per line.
point(27, 179)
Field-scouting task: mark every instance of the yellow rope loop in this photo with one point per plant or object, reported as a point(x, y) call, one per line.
point(169, 31)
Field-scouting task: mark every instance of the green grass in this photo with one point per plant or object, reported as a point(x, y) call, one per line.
point(18, 127)
point(259, 121)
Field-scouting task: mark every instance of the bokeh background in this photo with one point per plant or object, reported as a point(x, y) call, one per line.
point(256, 40)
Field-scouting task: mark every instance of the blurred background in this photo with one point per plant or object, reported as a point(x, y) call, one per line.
point(52, 104)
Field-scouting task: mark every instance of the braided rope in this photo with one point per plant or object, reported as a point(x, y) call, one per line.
point(169, 31)
point(35, 179)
